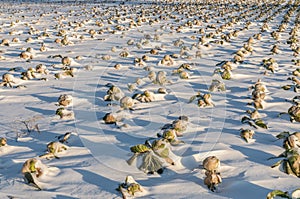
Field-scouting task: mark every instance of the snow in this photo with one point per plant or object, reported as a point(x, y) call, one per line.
point(94, 163)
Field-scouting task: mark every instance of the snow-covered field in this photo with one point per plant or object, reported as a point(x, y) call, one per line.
point(80, 49)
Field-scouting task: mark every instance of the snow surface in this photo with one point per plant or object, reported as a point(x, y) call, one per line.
point(95, 163)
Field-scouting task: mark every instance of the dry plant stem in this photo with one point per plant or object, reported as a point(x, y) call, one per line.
point(26, 123)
